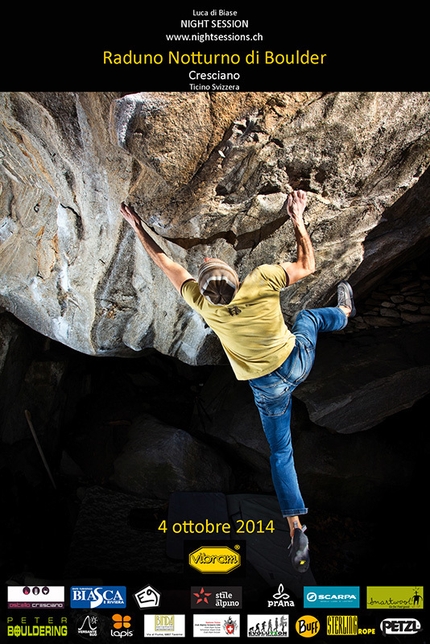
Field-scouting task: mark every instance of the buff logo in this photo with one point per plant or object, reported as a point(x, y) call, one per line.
point(308, 626)
point(214, 559)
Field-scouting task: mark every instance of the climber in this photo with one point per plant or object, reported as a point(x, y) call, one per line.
point(248, 320)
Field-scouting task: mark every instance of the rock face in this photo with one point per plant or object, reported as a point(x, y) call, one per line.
point(209, 174)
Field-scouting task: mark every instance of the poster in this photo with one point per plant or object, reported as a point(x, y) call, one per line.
point(83, 558)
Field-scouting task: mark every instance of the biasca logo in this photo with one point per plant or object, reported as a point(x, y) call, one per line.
point(98, 597)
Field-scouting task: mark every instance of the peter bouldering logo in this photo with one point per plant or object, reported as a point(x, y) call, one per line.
point(395, 597)
point(37, 626)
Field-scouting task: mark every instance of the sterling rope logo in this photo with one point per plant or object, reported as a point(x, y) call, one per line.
point(214, 559)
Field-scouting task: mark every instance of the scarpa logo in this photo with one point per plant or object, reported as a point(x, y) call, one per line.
point(98, 597)
point(331, 596)
point(214, 559)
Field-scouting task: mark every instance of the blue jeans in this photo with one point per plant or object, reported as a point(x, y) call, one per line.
point(272, 395)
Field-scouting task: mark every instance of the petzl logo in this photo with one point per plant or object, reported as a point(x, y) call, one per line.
point(401, 626)
point(331, 596)
point(98, 597)
point(395, 597)
point(214, 559)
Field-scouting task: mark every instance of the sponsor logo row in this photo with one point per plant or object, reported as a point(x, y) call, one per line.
point(209, 625)
point(214, 597)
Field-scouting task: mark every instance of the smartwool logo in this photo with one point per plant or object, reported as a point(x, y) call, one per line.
point(98, 597)
point(395, 597)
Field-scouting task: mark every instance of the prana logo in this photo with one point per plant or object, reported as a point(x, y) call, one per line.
point(280, 599)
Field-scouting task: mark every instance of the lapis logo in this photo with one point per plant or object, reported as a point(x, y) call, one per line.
point(331, 596)
point(98, 597)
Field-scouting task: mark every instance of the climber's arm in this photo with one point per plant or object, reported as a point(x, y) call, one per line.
point(305, 262)
point(176, 273)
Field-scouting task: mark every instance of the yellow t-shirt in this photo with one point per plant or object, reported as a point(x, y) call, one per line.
point(251, 328)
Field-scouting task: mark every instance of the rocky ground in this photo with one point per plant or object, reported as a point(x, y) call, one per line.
point(39, 521)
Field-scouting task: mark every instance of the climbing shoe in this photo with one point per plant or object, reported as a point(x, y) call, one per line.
point(345, 296)
point(299, 550)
